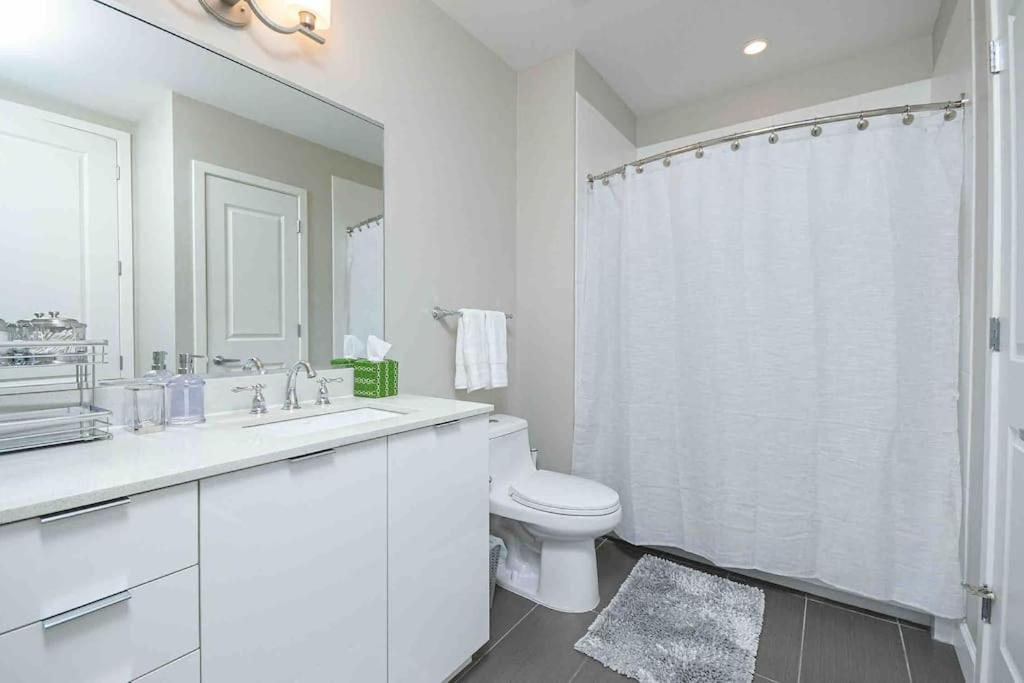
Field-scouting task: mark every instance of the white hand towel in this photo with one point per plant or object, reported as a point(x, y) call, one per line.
point(497, 348)
point(472, 366)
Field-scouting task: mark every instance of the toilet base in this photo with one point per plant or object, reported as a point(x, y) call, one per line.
point(558, 573)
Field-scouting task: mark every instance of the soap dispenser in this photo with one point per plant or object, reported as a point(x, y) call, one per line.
point(158, 374)
point(185, 393)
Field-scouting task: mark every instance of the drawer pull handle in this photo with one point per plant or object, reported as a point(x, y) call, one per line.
point(449, 423)
point(78, 612)
point(310, 456)
point(67, 514)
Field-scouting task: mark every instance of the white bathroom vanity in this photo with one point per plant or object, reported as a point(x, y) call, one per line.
point(354, 548)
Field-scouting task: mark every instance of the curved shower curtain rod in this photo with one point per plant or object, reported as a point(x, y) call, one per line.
point(362, 224)
point(773, 131)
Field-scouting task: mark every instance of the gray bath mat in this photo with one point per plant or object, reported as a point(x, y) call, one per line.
point(672, 623)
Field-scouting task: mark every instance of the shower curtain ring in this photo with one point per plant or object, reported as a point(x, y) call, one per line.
point(735, 145)
point(699, 153)
point(604, 181)
point(908, 117)
point(666, 162)
point(815, 129)
point(950, 112)
point(862, 123)
point(773, 137)
point(639, 169)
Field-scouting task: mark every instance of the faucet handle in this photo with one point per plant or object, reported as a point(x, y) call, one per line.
point(323, 396)
point(259, 402)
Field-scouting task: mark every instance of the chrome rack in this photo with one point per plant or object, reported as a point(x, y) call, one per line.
point(33, 367)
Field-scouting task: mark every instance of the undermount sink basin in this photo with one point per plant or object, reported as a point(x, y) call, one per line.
point(315, 423)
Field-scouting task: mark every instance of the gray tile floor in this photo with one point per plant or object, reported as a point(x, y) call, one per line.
point(803, 639)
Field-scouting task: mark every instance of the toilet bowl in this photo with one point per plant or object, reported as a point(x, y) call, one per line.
point(548, 522)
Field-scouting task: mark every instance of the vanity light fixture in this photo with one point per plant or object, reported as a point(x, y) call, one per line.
point(755, 47)
point(310, 15)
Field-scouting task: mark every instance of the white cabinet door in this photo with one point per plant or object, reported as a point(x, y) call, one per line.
point(438, 568)
point(293, 581)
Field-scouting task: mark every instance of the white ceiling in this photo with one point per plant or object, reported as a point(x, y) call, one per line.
point(661, 53)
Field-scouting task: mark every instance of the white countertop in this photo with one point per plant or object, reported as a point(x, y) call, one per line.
point(46, 480)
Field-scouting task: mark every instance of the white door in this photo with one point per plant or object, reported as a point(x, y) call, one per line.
point(294, 569)
point(1002, 654)
point(59, 225)
point(255, 273)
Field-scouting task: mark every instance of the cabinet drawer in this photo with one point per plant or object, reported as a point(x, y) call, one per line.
point(116, 639)
point(183, 670)
point(55, 563)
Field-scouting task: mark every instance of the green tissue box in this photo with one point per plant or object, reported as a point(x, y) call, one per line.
point(343, 362)
point(375, 379)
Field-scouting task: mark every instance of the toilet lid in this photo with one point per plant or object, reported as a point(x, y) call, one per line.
point(564, 494)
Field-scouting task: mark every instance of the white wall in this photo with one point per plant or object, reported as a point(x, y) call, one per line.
point(871, 70)
point(448, 107)
point(543, 327)
point(153, 239)
point(550, 139)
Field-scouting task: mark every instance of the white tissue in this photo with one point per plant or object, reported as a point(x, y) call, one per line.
point(353, 347)
point(376, 348)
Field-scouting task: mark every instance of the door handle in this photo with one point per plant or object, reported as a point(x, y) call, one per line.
point(79, 612)
point(310, 456)
point(221, 360)
point(67, 514)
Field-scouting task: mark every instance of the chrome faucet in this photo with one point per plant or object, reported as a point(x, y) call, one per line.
point(254, 363)
point(291, 398)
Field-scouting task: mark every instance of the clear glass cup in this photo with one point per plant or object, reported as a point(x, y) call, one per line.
point(145, 409)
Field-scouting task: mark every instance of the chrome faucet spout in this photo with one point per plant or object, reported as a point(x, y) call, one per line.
point(254, 363)
point(291, 398)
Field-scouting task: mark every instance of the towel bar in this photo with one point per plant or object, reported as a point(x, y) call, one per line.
point(439, 313)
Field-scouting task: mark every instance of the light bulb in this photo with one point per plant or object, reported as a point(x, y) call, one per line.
point(755, 47)
point(321, 9)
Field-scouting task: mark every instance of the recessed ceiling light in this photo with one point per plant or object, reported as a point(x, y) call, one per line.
point(755, 47)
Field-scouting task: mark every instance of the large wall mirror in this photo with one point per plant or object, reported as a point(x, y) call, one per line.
point(171, 199)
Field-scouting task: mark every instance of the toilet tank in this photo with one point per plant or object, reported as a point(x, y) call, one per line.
point(509, 448)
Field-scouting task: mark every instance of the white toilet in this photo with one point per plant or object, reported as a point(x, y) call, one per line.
point(548, 522)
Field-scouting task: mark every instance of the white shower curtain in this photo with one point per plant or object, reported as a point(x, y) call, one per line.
point(365, 281)
point(767, 356)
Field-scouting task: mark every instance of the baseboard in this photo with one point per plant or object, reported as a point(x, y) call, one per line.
point(957, 634)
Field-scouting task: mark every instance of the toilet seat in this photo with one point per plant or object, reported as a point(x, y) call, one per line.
point(564, 494)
